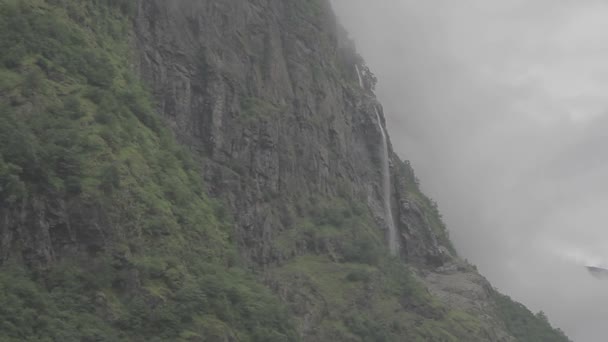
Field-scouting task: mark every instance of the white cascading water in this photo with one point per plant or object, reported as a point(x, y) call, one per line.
point(393, 241)
point(359, 75)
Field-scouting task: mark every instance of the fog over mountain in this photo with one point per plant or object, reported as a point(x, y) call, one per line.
point(501, 108)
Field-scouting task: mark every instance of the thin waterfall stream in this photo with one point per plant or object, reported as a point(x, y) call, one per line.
point(359, 75)
point(393, 240)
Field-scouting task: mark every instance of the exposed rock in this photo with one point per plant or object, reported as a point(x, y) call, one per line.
point(460, 287)
point(266, 95)
point(270, 99)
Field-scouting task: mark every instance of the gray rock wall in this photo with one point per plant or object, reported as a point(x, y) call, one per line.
point(267, 93)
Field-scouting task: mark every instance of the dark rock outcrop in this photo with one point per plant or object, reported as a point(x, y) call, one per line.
point(268, 95)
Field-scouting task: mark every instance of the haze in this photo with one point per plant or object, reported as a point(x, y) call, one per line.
point(501, 106)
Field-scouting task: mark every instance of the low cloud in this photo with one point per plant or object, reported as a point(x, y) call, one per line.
point(501, 107)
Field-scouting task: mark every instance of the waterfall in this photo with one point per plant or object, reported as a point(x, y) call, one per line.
point(393, 240)
point(359, 75)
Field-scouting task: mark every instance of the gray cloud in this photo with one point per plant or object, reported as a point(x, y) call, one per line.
point(501, 107)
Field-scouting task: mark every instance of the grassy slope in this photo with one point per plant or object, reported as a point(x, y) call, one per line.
point(353, 288)
point(523, 324)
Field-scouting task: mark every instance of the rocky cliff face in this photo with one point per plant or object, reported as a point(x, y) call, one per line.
point(267, 93)
point(278, 113)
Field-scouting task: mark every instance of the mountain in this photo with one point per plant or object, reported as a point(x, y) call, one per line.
point(203, 170)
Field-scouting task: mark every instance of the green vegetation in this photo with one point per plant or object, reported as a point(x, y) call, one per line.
point(148, 257)
point(359, 302)
point(428, 207)
point(311, 8)
point(174, 303)
point(353, 286)
point(253, 109)
point(339, 227)
point(524, 325)
point(77, 128)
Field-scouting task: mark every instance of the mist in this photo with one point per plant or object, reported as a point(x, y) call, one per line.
point(501, 106)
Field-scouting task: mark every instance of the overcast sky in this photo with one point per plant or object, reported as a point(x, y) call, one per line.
point(502, 108)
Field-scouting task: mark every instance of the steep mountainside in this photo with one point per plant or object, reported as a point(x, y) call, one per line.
point(203, 170)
